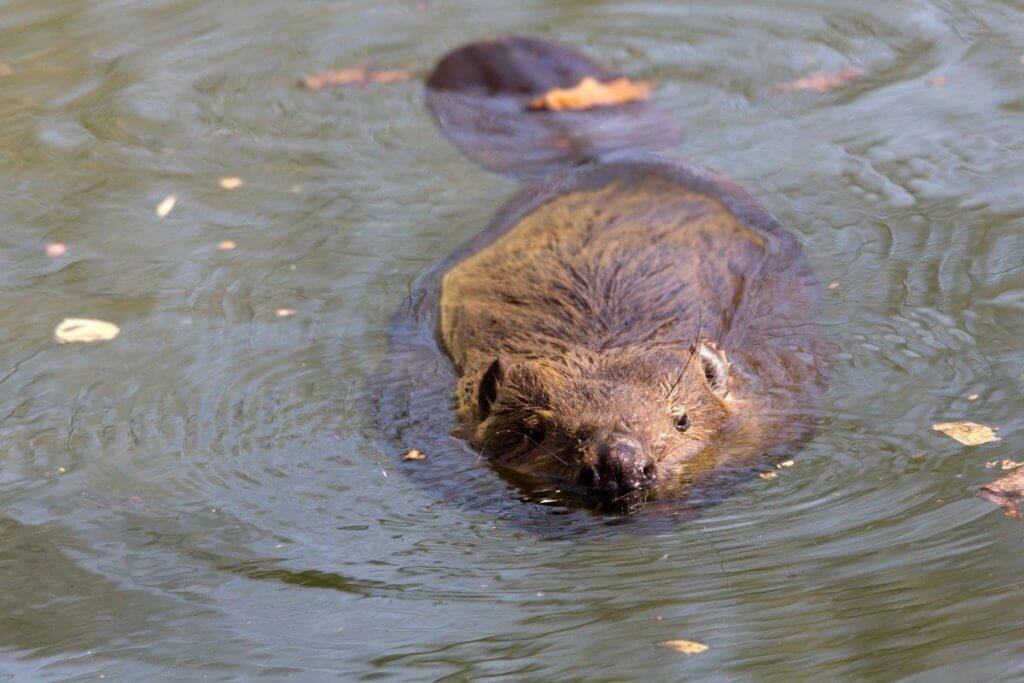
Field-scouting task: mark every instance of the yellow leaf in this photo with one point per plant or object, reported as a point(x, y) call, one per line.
point(414, 454)
point(590, 92)
point(85, 330)
point(166, 206)
point(768, 475)
point(231, 183)
point(687, 647)
point(967, 433)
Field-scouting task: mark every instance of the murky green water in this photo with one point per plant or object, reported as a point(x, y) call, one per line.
point(207, 497)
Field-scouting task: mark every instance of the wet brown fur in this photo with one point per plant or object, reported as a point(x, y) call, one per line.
point(600, 307)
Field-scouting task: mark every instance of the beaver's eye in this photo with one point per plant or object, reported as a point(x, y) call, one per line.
point(682, 422)
point(534, 433)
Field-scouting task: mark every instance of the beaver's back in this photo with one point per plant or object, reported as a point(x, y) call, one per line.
point(642, 259)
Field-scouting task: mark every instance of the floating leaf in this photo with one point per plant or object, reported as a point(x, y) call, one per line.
point(822, 81)
point(6, 70)
point(967, 433)
point(786, 463)
point(85, 330)
point(226, 245)
point(357, 76)
point(231, 183)
point(1003, 465)
point(590, 92)
point(166, 206)
point(56, 249)
point(414, 454)
point(687, 647)
point(284, 312)
point(768, 475)
point(1006, 493)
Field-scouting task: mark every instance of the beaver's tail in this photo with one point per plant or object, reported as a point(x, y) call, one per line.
point(481, 94)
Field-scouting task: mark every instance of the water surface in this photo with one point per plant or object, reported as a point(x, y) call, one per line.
point(207, 496)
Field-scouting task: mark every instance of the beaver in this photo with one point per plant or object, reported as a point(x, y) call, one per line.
point(629, 322)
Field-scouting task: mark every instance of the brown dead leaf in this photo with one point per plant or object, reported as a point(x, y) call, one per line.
point(414, 454)
point(85, 330)
point(687, 647)
point(590, 93)
point(822, 81)
point(56, 249)
point(1006, 492)
point(357, 76)
point(967, 433)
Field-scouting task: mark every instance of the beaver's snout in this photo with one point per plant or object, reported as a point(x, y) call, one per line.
point(616, 466)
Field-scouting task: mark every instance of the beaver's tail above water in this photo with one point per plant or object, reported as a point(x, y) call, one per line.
point(480, 96)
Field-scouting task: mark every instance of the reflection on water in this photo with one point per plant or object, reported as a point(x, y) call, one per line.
point(206, 495)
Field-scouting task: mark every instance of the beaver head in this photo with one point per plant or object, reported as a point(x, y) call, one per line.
point(604, 422)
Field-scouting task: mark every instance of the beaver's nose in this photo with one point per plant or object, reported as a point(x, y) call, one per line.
point(620, 465)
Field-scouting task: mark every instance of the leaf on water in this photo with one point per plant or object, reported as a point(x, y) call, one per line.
point(1006, 493)
point(6, 70)
point(56, 249)
point(166, 206)
point(590, 93)
point(687, 647)
point(786, 463)
point(768, 475)
point(967, 433)
point(226, 245)
point(1003, 465)
point(231, 183)
point(357, 76)
point(85, 330)
point(972, 397)
point(822, 81)
point(285, 312)
point(414, 454)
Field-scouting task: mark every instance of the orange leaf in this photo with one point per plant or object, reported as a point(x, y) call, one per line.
point(590, 93)
point(1006, 493)
point(823, 81)
point(357, 76)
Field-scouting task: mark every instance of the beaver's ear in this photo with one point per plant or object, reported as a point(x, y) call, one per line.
point(716, 368)
point(487, 393)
